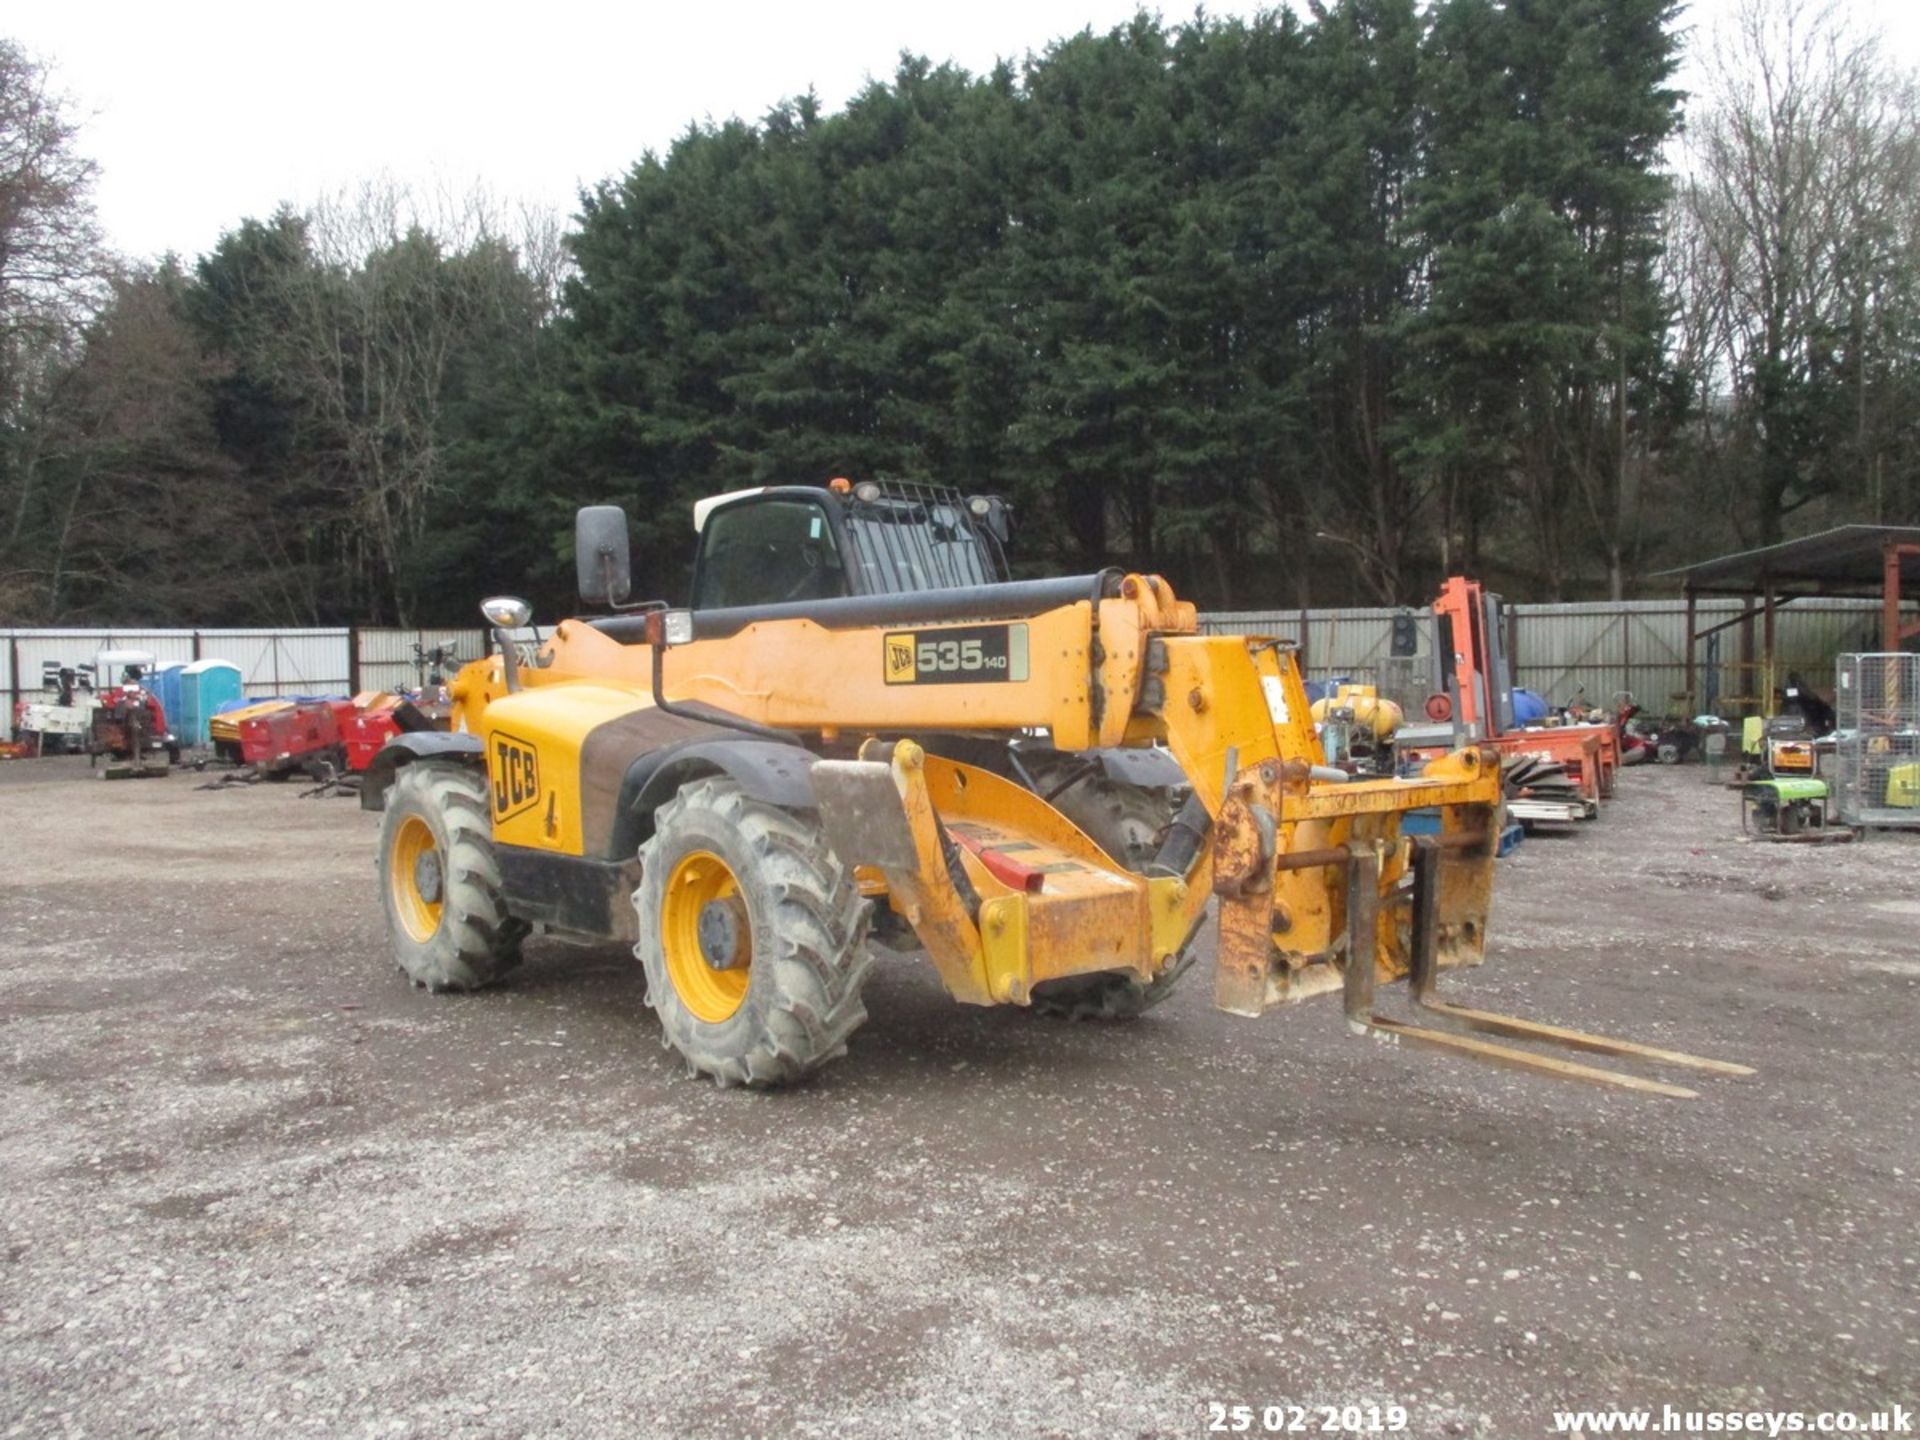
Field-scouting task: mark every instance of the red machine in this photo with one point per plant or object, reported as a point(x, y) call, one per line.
point(1476, 699)
point(365, 731)
point(129, 726)
point(301, 737)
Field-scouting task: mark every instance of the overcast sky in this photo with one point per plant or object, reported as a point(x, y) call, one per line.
point(200, 114)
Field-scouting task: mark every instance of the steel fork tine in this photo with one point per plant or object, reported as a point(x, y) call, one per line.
point(1453, 1026)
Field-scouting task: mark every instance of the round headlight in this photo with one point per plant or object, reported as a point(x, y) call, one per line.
point(506, 612)
point(979, 505)
point(866, 492)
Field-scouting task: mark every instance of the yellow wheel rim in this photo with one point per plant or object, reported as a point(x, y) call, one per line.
point(416, 878)
point(699, 881)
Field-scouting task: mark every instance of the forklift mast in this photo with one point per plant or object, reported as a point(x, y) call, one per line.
point(1470, 653)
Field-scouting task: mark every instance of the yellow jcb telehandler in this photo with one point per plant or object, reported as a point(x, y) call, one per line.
point(861, 730)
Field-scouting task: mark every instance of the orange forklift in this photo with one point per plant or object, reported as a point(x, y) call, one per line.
point(1556, 773)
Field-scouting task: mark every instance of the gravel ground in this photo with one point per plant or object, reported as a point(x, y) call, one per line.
point(255, 1185)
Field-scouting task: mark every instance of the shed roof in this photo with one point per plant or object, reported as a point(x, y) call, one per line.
point(1844, 560)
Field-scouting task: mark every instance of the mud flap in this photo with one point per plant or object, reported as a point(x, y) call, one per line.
point(861, 813)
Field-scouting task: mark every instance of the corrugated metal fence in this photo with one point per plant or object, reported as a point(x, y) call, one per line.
point(334, 661)
point(1559, 650)
point(402, 659)
point(1600, 648)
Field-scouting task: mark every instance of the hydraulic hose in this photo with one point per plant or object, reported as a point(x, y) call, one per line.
point(1184, 838)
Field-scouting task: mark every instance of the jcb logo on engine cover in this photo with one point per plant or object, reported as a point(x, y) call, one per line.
point(516, 776)
point(963, 655)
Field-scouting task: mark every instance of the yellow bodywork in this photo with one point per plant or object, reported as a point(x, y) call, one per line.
point(226, 726)
point(1127, 671)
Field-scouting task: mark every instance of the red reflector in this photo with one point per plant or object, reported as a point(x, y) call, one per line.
point(1009, 871)
point(1003, 867)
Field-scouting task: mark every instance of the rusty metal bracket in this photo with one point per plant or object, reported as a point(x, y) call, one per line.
point(1245, 837)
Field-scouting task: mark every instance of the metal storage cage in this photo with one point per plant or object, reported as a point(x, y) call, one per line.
point(1877, 739)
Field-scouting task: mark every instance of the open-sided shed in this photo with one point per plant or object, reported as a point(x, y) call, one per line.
point(1849, 560)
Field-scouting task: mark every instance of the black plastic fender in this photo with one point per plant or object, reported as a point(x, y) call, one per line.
point(1149, 768)
point(407, 747)
point(766, 769)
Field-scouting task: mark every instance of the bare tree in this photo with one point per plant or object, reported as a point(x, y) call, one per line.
point(403, 288)
point(51, 262)
point(1796, 239)
point(52, 277)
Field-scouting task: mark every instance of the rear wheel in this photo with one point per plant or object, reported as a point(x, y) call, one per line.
point(752, 936)
point(1128, 822)
point(441, 883)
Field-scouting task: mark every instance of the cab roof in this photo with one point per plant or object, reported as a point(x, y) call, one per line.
point(704, 508)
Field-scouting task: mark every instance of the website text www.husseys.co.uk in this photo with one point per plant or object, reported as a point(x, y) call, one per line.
point(1667, 1420)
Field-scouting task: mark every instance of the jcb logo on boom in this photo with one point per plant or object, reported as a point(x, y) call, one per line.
point(516, 776)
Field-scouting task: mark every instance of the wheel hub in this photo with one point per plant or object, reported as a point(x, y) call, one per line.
point(427, 878)
point(416, 878)
point(706, 940)
point(722, 930)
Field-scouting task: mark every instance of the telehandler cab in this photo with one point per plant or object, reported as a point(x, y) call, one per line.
point(861, 729)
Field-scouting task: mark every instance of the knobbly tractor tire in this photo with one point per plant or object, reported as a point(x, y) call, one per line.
point(441, 883)
point(752, 935)
point(1128, 822)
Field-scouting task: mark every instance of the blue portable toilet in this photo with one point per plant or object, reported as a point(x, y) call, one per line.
point(163, 683)
point(205, 686)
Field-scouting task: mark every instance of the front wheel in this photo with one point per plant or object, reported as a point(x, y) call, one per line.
point(441, 883)
point(752, 936)
point(1128, 822)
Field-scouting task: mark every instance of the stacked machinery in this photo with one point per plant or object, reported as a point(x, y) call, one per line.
point(1553, 772)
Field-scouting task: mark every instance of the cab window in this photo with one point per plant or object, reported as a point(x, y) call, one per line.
point(767, 552)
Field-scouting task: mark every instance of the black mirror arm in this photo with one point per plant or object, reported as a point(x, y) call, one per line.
point(606, 587)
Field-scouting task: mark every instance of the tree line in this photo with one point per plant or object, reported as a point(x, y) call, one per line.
point(1294, 309)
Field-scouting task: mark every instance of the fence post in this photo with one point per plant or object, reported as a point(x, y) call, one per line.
point(1890, 599)
point(1746, 651)
point(353, 659)
point(1626, 653)
point(1693, 690)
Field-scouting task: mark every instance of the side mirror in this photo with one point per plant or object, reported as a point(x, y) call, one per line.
point(602, 556)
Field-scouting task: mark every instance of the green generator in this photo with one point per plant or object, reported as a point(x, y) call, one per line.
point(1795, 808)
